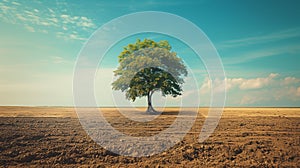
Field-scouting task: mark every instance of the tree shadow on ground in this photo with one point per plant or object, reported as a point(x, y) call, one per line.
point(170, 113)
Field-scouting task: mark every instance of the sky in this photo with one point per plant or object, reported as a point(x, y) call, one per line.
point(257, 41)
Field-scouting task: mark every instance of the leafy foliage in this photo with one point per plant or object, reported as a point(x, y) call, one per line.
point(151, 79)
point(147, 66)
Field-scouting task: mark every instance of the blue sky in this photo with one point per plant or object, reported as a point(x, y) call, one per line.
point(258, 42)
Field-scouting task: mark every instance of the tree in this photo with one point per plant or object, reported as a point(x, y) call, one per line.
point(148, 66)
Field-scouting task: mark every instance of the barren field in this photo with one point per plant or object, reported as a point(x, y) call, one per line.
point(245, 137)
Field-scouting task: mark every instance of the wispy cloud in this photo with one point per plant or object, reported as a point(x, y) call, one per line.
point(15, 3)
point(260, 46)
point(272, 96)
point(36, 17)
point(253, 90)
point(133, 5)
point(253, 53)
point(263, 38)
point(60, 60)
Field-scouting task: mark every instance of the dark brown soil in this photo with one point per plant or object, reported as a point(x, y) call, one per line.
point(239, 141)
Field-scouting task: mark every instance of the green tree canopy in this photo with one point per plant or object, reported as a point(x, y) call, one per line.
point(147, 66)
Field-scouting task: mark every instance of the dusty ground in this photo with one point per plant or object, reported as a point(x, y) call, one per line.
point(245, 137)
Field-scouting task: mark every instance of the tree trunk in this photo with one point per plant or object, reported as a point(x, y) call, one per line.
point(150, 109)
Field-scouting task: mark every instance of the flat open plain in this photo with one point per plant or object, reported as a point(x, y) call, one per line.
point(245, 137)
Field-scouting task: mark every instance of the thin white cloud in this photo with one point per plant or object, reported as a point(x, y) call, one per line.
point(71, 36)
point(260, 53)
point(77, 20)
point(59, 60)
point(152, 3)
point(255, 83)
point(246, 84)
point(76, 37)
point(249, 49)
point(247, 91)
point(263, 38)
point(272, 96)
point(43, 19)
point(290, 80)
point(29, 28)
point(15, 3)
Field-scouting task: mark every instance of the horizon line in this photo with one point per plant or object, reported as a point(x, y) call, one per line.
point(55, 106)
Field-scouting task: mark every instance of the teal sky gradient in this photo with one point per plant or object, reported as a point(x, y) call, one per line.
point(258, 42)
